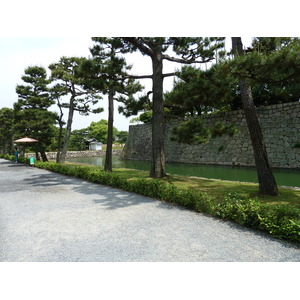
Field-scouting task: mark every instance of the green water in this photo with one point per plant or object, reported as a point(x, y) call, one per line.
point(245, 174)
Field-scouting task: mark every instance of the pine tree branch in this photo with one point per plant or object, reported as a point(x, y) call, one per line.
point(169, 74)
point(144, 49)
point(136, 77)
point(145, 76)
point(185, 61)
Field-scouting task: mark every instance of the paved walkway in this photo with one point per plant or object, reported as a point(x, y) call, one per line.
point(47, 217)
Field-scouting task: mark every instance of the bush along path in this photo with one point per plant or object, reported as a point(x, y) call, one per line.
point(280, 221)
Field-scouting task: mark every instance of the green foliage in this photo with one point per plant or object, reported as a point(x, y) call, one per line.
point(220, 128)
point(99, 131)
point(146, 117)
point(203, 49)
point(22, 160)
point(7, 156)
point(31, 115)
point(197, 92)
point(82, 99)
point(132, 106)
point(6, 129)
point(281, 221)
point(272, 67)
point(107, 70)
point(77, 140)
point(271, 44)
point(242, 211)
point(55, 139)
point(121, 137)
point(193, 131)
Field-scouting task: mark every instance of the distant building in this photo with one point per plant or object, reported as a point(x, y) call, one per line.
point(93, 144)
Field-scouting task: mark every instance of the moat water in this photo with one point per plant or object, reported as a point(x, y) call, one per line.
point(284, 177)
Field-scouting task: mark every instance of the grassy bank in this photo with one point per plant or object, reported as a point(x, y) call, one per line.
point(235, 201)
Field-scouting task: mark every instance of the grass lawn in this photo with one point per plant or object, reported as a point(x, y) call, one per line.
point(115, 147)
point(217, 188)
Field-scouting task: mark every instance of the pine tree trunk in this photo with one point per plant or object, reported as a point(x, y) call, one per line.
point(12, 144)
point(158, 122)
point(108, 155)
point(37, 155)
point(44, 156)
point(266, 180)
point(63, 154)
point(59, 142)
point(60, 136)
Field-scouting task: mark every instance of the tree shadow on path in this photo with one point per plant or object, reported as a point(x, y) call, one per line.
point(109, 197)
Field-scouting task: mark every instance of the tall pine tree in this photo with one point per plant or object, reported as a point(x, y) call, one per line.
point(266, 180)
point(187, 50)
point(81, 99)
point(31, 115)
point(106, 72)
point(6, 130)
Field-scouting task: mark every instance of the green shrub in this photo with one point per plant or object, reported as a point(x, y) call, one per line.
point(281, 221)
point(138, 186)
point(81, 172)
point(204, 203)
point(242, 211)
point(154, 188)
point(118, 182)
point(23, 160)
point(8, 157)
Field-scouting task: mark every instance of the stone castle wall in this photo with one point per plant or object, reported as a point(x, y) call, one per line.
point(280, 125)
point(70, 154)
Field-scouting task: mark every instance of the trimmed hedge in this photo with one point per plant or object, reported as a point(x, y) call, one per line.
point(23, 160)
point(281, 221)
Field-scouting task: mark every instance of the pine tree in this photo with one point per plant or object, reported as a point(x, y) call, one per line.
point(81, 99)
point(31, 115)
point(6, 130)
point(106, 72)
point(266, 180)
point(188, 51)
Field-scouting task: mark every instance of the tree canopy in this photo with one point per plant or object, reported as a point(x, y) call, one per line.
point(99, 131)
point(6, 129)
point(271, 66)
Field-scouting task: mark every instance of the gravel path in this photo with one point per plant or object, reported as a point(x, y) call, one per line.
point(47, 217)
